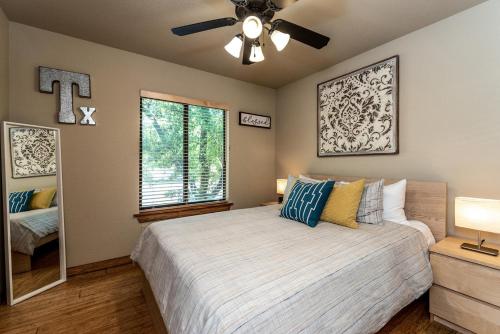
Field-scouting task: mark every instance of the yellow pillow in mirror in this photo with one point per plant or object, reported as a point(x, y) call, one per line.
point(42, 199)
point(343, 203)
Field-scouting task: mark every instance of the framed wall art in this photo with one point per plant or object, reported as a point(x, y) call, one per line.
point(258, 121)
point(33, 152)
point(358, 113)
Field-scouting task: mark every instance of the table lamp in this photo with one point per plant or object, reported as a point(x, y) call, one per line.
point(481, 215)
point(280, 188)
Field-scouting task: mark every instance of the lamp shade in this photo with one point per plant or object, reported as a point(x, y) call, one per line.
point(234, 47)
point(280, 39)
point(478, 214)
point(281, 186)
point(256, 55)
point(252, 27)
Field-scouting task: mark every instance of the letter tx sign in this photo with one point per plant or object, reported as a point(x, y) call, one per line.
point(66, 80)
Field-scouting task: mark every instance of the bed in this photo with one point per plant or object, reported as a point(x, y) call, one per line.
point(30, 230)
point(250, 271)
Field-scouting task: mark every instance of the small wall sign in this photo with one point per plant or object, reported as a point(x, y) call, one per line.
point(258, 121)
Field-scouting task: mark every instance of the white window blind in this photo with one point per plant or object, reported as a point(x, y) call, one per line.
point(182, 154)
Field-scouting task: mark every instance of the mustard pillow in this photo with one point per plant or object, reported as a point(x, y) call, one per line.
point(42, 199)
point(342, 205)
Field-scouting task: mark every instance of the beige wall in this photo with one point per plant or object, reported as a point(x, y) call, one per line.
point(30, 183)
point(4, 111)
point(449, 109)
point(449, 122)
point(4, 66)
point(101, 163)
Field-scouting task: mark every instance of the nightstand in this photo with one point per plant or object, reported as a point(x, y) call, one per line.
point(465, 295)
point(269, 203)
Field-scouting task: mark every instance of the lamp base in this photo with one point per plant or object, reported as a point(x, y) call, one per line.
point(480, 249)
point(280, 199)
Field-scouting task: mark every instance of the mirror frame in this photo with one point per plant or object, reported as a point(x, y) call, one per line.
point(6, 215)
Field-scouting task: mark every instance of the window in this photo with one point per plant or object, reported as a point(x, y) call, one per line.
point(182, 155)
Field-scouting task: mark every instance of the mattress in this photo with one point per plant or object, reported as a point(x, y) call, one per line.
point(28, 227)
point(250, 271)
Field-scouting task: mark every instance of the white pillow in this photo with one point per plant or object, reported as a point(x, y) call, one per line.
point(306, 179)
point(291, 182)
point(394, 202)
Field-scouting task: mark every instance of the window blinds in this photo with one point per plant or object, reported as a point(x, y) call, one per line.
point(182, 154)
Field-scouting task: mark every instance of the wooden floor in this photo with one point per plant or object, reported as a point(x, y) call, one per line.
point(44, 270)
point(111, 301)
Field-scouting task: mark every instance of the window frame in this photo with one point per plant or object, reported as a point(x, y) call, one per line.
point(185, 208)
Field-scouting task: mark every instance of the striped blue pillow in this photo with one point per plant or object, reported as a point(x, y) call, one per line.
point(19, 201)
point(306, 202)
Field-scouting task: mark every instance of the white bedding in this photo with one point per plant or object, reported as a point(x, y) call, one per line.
point(426, 231)
point(28, 227)
point(250, 271)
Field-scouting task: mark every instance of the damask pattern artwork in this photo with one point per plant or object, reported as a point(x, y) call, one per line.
point(33, 152)
point(358, 112)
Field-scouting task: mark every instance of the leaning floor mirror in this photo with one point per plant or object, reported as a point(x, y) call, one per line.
point(33, 210)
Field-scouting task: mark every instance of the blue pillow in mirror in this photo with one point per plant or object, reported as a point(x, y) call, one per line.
point(306, 202)
point(19, 201)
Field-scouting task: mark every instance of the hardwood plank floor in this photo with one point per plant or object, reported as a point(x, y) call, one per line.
point(44, 270)
point(111, 301)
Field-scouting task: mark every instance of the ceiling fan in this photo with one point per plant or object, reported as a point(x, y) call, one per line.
point(257, 16)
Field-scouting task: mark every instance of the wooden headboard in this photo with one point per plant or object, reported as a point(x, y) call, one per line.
point(425, 201)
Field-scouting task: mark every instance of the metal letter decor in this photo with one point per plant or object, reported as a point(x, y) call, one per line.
point(33, 152)
point(66, 79)
point(358, 112)
point(87, 115)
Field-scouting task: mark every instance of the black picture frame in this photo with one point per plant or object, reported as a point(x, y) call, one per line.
point(242, 122)
point(396, 111)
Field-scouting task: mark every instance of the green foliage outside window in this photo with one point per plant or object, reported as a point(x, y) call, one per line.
point(165, 164)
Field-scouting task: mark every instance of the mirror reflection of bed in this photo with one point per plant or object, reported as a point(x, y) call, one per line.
point(34, 226)
point(34, 249)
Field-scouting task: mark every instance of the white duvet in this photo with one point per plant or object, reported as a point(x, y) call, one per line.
point(28, 227)
point(250, 271)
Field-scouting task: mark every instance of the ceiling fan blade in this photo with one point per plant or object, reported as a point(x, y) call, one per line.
point(247, 49)
point(301, 34)
point(203, 26)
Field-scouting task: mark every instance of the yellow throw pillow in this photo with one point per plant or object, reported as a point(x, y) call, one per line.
point(342, 205)
point(42, 199)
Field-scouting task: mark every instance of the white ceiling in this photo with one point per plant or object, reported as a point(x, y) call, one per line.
point(143, 26)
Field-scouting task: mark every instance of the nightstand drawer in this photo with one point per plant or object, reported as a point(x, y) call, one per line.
point(467, 278)
point(466, 312)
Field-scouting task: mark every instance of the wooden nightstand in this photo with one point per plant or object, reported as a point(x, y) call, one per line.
point(269, 203)
point(465, 295)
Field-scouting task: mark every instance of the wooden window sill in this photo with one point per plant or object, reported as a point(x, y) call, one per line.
point(152, 215)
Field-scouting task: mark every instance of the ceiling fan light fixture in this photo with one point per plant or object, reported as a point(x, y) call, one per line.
point(252, 27)
point(234, 46)
point(256, 55)
point(280, 40)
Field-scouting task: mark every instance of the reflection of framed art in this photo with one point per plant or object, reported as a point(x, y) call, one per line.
point(258, 121)
point(358, 112)
point(32, 152)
